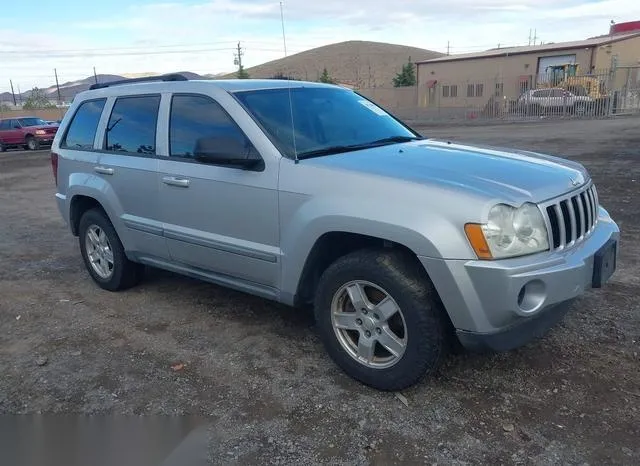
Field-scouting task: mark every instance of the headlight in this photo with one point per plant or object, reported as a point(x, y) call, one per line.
point(40, 131)
point(509, 232)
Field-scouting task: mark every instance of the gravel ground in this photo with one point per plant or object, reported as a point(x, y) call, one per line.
point(257, 374)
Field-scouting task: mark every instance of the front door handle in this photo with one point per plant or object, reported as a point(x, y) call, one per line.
point(175, 181)
point(103, 170)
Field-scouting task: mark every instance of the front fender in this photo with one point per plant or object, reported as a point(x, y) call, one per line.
point(429, 235)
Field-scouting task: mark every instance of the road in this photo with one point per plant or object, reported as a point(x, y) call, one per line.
point(258, 375)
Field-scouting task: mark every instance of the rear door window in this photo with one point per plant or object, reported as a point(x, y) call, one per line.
point(132, 125)
point(83, 127)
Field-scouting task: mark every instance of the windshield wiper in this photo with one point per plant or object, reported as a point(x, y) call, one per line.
point(346, 148)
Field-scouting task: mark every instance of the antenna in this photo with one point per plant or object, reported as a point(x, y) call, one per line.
point(284, 38)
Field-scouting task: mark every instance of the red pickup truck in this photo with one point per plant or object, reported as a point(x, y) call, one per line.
point(27, 132)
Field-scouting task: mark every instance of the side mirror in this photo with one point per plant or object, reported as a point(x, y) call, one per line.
point(227, 151)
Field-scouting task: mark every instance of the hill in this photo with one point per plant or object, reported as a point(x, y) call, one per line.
point(69, 89)
point(358, 63)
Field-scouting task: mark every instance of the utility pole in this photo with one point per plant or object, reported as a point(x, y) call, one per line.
point(447, 47)
point(535, 36)
point(529, 36)
point(19, 94)
point(284, 39)
point(238, 57)
point(95, 76)
point(57, 86)
point(13, 94)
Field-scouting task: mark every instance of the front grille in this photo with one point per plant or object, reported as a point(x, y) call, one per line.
point(572, 218)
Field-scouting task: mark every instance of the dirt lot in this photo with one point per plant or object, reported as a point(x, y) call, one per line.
point(257, 373)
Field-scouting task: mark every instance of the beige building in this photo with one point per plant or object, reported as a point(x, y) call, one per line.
point(499, 75)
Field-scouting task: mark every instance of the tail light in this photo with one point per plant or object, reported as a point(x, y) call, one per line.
point(54, 166)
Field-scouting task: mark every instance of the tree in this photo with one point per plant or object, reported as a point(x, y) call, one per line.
point(407, 77)
point(242, 73)
point(37, 99)
point(325, 78)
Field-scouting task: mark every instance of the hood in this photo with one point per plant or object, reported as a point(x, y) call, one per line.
point(512, 175)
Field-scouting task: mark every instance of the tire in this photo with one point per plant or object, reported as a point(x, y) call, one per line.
point(534, 109)
point(32, 143)
point(425, 323)
point(121, 273)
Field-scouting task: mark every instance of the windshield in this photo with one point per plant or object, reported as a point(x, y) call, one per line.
point(31, 121)
point(325, 120)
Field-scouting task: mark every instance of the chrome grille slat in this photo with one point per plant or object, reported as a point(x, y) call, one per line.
point(594, 213)
point(587, 213)
point(571, 218)
point(573, 236)
point(577, 203)
point(563, 231)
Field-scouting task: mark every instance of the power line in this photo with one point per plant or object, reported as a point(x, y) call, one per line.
point(200, 44)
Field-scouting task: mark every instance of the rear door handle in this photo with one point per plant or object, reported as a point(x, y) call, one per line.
point(103, 170)
point(175, 181)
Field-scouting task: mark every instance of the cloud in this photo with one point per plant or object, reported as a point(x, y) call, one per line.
point(211, 29)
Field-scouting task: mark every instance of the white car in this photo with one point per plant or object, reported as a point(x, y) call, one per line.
point(539, 101)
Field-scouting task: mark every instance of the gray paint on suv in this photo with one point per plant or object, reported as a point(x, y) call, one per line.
point(309, 193)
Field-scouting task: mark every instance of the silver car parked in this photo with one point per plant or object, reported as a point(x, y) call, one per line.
point(310, 194)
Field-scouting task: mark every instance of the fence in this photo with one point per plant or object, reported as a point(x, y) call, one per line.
point(49, 114)
point(598, 94)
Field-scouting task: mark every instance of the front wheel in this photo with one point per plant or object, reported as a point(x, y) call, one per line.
point(32, 143)
point(380, 319)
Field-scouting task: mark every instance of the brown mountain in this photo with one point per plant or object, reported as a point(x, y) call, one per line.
point(359, 63)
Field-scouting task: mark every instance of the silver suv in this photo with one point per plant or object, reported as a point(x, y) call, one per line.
point(310, 194)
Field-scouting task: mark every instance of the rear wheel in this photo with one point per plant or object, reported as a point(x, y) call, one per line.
point(104, 255)
point(580, 109)
point(380, 319)
point(32, 143)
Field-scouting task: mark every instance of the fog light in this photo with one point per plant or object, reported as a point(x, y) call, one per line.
point(531, 296)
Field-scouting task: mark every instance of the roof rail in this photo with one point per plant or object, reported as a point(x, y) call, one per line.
point(163, 77)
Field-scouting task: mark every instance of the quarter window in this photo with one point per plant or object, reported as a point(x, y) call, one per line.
point(132, 125)
point(83, 127)
point(197, 118)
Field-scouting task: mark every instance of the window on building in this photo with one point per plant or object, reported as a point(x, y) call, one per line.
point(470, 90)
point(479, 90)
point(132, 125)
point(445, 91)
point(499, 89)
point(524, 84)
point(83, 127)
point(454, 91)
point(196, 118)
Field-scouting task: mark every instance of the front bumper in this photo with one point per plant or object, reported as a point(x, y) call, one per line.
point(502, 304)
point(45, 139)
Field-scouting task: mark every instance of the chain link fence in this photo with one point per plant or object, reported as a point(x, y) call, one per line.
point(597, 94)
